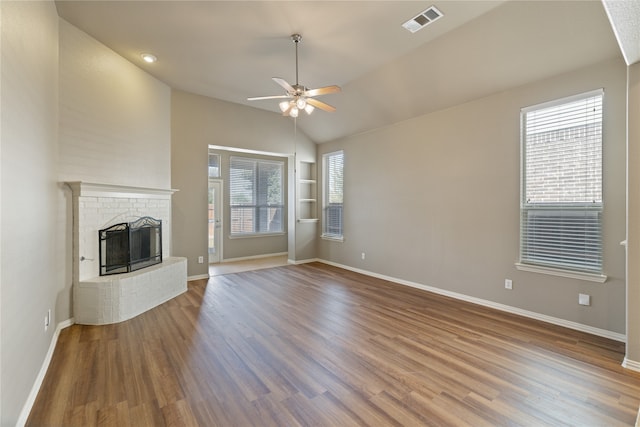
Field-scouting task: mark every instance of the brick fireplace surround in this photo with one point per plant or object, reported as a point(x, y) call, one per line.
point(99, 300)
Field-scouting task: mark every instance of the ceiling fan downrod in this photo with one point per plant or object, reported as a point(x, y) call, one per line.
point(297, 38)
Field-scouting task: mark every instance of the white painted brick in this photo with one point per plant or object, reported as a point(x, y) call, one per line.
point(111, 299)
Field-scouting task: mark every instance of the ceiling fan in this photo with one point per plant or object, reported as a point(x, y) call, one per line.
point(299, 97)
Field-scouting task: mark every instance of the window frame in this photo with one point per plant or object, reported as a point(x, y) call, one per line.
point(326, 205)
point(561, 264)
point(256, 204)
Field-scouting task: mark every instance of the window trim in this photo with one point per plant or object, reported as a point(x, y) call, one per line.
point(567, 272)
point(570, 274)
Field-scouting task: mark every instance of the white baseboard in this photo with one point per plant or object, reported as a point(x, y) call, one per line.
point(198, 277)
point(245, 258)
point(502, 307)
point(26, 409)
point(631, 364)
point(302, 261)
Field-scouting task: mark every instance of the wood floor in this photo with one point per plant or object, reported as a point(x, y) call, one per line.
point(247, 265)
point(314, 345)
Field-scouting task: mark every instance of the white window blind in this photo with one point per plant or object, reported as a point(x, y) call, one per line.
point(561, 208)
point(333, 194)
point(256, 195)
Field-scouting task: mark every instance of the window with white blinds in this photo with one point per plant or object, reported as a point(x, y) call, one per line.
point(333, 168)
point(256, 195)
point(561, 207)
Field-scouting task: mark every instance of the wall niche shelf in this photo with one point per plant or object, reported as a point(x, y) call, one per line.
point(307, 192)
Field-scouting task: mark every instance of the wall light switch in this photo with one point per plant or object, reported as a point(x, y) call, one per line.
point(508, 284)
point(584, 299)
point(200, 259)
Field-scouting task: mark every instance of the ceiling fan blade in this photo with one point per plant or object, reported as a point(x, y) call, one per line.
point(284, 84)
point(323, 90)
point(321, 105)
point(257, 98)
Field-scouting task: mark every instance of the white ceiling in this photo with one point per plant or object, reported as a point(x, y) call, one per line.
point(625, 20)
point(230, 50)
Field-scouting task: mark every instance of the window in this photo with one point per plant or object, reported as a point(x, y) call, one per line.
point(333, 165)
point(214, 165)
point(561, 206)
point(256, 196)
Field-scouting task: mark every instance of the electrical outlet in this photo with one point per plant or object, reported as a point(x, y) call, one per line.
point(200, 259)
point(508, 284)
point(584, 299)
point(363, 255)
point(47, 320)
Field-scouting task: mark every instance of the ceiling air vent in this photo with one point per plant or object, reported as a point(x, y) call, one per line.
point(423, 19)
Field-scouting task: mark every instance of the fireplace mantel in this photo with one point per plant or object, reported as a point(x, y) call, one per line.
point(92, 189)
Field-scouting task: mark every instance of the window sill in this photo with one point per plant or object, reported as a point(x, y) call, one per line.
point(332, 238)
point(252, 235)
point(591, 277)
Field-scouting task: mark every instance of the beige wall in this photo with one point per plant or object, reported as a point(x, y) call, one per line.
point(196, 123)
point(633, 217)
point(30, 270)
point(435, 201)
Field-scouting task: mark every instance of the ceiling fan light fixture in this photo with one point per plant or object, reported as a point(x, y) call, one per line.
point(299, 97)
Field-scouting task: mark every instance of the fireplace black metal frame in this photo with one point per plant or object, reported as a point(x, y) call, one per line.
point(130, 246)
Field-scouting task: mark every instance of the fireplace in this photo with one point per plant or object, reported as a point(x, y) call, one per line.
point(130, 246)
point(101, 297)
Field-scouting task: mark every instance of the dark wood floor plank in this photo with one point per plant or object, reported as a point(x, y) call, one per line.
point(315, 345)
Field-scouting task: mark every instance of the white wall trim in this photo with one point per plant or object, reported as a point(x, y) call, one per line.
point(245, 258)
point(198, 277)
point(26, 409)
point(631, 364)
point(303, 261)
point(502, 307)
point(598, 278)
point(92, 189)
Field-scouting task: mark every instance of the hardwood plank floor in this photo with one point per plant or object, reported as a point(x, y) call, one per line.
point(314, 345)
point(229, 267)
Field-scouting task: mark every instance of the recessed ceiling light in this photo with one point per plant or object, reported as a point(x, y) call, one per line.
point(148, 58)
